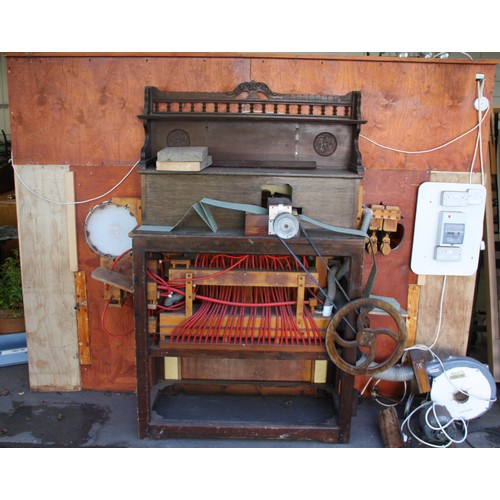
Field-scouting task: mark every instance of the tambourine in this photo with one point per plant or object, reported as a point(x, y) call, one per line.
point(107, 227)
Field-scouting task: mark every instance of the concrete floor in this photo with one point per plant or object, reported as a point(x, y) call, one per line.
point(89, 419)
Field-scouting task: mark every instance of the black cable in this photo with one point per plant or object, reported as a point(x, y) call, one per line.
point(371, 278)
point(292, 253)
point(314, 247)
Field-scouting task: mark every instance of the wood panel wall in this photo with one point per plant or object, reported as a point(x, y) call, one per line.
point(82, 111)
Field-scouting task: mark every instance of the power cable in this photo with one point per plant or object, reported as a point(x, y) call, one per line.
point(58, 202)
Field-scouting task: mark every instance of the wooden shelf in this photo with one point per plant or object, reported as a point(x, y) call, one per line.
point(282, 351)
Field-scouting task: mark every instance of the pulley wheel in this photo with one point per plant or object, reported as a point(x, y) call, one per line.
point(364, 337)
point(286, 226)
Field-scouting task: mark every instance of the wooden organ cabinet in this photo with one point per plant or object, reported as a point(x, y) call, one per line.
point(239, 233)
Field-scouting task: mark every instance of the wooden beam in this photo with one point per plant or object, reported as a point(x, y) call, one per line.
point(245, 277)
point(375, 58)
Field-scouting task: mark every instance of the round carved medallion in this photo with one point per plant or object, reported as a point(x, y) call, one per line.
point(178, 138)
point(325, 144)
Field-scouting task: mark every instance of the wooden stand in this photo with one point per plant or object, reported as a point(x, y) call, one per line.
point(328, 425)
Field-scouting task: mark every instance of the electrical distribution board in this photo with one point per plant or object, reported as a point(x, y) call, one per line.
point(448, 228)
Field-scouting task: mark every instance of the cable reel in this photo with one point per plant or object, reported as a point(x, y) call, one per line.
point(365, 338)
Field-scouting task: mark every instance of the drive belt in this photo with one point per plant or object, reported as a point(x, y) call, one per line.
point(202, 208)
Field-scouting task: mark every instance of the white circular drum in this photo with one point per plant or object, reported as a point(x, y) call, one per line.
point(107, 229)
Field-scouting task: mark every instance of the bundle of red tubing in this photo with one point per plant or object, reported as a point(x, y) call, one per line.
point(242, 314)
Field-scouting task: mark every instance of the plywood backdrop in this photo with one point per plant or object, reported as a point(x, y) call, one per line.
point(82, 111)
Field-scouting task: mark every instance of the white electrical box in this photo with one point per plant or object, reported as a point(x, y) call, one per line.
point(448, 228)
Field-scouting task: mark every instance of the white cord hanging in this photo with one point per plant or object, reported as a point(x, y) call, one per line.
point(58, 202)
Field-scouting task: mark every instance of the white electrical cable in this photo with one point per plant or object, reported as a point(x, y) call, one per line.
point(58, 202)
point(442, 428)
point(440, 319)
point(474, 159)
point(403, 397)
point(406, 423)
point(480, 87)
point(423, 151)
point(366, 386)
point(479, 139)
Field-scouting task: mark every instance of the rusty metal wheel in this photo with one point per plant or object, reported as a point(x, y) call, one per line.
point(364, 337)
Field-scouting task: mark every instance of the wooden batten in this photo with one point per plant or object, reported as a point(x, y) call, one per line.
point(82, 318)
point(71, 221)
point(412, 319)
